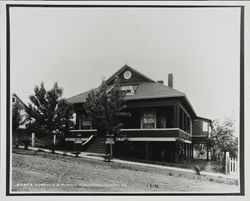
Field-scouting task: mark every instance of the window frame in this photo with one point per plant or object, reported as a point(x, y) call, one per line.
point(142, 119)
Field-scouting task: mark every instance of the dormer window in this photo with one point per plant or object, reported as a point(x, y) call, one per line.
point(129, 90)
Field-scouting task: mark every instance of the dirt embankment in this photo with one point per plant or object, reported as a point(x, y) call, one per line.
point(44, 172)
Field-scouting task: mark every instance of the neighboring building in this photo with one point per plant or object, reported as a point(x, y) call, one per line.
point(21, 106)
point(163, 124)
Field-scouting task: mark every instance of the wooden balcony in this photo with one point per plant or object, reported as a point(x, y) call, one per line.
point(160, 134)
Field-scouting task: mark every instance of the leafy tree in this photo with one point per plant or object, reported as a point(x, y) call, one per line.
point(105, 107)
point(48, 112)
point(16, 117)
point(223, 139)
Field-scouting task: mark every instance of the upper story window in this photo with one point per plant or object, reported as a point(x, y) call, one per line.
point(86, 123)
point(83, 122)
point(129, 90)
point(149, 120)
point(205, 126)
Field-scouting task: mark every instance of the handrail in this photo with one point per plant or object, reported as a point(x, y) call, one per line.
point(86, 142)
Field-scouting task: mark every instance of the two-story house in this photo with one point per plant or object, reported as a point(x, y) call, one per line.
point(163, 124)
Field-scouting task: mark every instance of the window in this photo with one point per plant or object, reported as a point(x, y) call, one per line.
point(127, 75)
point(129, 90)
point(83, 122)
point(149, 120)
point(86, 123)
point(205, 126)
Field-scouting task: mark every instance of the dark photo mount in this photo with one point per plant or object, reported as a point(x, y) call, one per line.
point(72, 6)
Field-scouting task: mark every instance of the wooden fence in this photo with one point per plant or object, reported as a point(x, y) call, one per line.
point(231, 165)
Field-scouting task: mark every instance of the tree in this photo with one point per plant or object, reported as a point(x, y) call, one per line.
point(48, 112)
point(105, 107)
point(223, 138)
point(16, 118)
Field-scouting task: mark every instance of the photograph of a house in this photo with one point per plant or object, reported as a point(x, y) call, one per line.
point(161, 118)
point(124, 99)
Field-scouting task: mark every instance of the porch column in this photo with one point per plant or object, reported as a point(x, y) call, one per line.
point(182, 120)
point(176, 151)
point(192, 151)
point(78, 121)
point(146, 151)
point(33, 139)
point(188, 151)
point(176, 116)
point(207, 152)
point(185, 149)
point(191, 127)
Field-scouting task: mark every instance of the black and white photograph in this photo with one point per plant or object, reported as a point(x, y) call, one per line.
point(124, 98)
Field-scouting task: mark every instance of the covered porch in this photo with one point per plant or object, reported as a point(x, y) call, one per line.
point(169, 144)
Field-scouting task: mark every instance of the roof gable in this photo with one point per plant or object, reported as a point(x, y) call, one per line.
point(128, 75)
point(20, 103)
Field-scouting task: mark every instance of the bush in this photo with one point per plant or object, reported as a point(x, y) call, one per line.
point(26, 143)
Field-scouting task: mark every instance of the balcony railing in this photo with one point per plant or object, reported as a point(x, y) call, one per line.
point(82, 135)
point(159, 134)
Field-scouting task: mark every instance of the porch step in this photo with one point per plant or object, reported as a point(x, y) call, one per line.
point(97, 146)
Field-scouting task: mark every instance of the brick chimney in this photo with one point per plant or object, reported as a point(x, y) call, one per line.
point(170, 80)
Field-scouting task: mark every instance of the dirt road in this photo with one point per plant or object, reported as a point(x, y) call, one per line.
point(44, 172)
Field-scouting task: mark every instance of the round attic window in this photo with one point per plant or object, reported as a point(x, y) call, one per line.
point(127, 75)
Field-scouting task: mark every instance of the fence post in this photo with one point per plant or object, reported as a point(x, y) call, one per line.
point(227, 163)
point(54, 140)
point(33, 139)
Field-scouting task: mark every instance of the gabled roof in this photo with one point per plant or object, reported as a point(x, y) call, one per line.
point(80, 98)
point(20, 103)
point(148, 89)
point(151, 90)
point(137, 76)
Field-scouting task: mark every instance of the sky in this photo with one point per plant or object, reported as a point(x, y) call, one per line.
point(77, 47)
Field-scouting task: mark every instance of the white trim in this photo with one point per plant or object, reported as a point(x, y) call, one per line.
point(155, 139)
point(74, 139)
point(155, 129)
point(172, 139)
point(186, 141)
point(146, 129)
point(72, 131)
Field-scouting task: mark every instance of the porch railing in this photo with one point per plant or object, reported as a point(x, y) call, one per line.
point(138, 134)
point(156, 133)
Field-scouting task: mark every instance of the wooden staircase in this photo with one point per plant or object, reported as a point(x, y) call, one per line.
point(98, 145)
